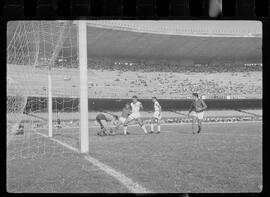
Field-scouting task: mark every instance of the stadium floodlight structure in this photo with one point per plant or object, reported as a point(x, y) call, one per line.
point(39, 55)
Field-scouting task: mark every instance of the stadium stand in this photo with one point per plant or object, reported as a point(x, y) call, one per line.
point(113, 81)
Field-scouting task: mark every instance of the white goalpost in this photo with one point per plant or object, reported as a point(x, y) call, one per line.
point(82, 54)
point(50, 115)
point(84, 139)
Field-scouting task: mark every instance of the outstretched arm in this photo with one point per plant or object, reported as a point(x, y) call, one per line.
point(141, 106)
point(191, 108)
point(204, 105)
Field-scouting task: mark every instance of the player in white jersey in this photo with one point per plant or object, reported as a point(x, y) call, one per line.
point(136, 106)
point(156, 116)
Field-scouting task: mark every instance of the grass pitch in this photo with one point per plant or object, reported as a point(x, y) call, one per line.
point(223, 158)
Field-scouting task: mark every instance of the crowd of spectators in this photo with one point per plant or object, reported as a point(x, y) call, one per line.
point(209, 88)
point(162, 66)
point(173, 85)
point(166, 84)
point(169, 67)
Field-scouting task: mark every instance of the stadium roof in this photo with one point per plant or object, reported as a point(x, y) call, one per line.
point(201, 41)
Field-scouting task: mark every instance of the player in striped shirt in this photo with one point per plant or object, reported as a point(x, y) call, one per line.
point(156, 116)
point(136, 106)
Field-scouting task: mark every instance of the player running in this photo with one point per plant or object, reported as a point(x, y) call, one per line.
point(197, 111)
point(105, 129)
point(136, 106)
point(156, 116)
point(126, 111)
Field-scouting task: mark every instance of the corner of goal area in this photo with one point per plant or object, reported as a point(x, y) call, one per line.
point(132, 186)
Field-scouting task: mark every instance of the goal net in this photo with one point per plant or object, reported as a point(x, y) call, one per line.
point(42, 64)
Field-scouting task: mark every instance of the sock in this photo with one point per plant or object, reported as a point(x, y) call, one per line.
point(158, 128)
point(152, 127)
point(144, 129)
point(125, 130)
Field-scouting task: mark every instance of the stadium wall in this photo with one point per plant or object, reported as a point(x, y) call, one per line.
point(39, 104)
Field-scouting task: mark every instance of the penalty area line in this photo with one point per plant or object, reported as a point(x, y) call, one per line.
point(120, 177)
point(127, 182)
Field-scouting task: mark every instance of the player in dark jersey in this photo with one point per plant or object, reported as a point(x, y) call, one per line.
point(58, 125)
point(105, 129)
point(126, 111)
point(196, 111)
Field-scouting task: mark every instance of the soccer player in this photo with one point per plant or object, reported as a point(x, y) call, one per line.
point(102, 120)
point(126, 111)
point(20, 130)
point(196, 111)
point(156, 116)
point(58, 125)
point(136, 106)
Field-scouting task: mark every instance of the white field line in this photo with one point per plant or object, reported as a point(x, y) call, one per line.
point(130, 184)
point(127, 182)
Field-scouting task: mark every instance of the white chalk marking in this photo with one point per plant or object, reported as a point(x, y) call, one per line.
point(130, 184)
point(127, 182)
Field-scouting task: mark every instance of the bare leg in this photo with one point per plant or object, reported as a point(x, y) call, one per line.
point(158, 126)
point(199, 125)
point(152, 124)
point(193, 124)
point(128, 120)
point(139, 120)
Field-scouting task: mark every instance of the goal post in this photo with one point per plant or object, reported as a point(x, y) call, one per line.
point(82, 36)
point(50, 118)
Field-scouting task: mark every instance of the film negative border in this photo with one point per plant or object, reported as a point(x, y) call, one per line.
point(251, 9)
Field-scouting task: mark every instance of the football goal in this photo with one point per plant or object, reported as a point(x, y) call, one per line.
point(47, 90)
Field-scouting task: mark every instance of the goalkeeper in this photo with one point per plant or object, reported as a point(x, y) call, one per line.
point(105, 129)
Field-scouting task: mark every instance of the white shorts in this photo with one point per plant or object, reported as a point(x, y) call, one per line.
point(198, 115)
point(122, 119)
point(135, 115)
point(157, 115)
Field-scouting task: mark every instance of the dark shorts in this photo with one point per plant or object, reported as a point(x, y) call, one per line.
point(100, 117)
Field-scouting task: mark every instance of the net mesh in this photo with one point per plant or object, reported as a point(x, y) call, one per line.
point(35, 51)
